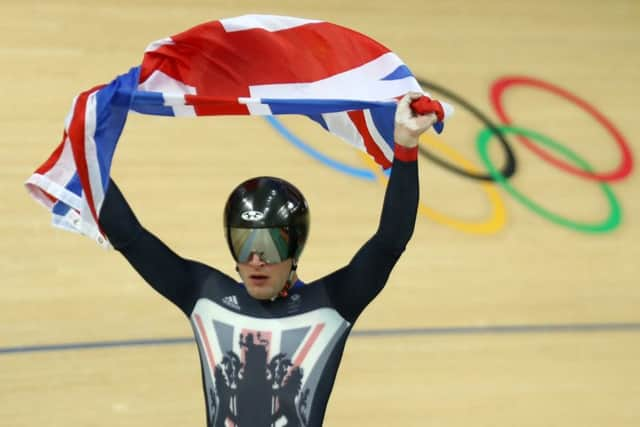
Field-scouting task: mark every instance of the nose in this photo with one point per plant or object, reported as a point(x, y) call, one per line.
point(255, 260)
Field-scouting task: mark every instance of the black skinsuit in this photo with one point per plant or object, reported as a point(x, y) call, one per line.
point(274, 362)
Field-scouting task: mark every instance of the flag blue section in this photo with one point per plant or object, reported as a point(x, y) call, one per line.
point(73, 186)
point(113, 103)
point(60, 208)
point(399, 73)
point(383, 118)
point(150, 103)
point(319, 119)
point(319, 106)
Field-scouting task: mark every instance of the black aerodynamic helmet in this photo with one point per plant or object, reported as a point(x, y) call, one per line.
point(267, 216)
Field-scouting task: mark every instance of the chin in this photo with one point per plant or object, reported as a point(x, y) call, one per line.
point(260, 293)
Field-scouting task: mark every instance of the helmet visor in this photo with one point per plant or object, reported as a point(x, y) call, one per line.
point(270, 244)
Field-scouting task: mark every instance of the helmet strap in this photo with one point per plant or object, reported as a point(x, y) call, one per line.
point(284, 292)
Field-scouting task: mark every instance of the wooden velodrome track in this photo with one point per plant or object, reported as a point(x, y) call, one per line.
point(513, 321)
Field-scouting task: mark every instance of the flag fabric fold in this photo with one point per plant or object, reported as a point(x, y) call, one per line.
point(248, 65)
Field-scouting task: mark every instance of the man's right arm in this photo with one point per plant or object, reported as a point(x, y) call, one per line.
point(171, 275)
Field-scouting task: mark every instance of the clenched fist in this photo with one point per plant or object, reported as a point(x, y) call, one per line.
point(409, 125)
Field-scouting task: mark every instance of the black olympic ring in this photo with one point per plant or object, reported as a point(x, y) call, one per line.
point(508, 170)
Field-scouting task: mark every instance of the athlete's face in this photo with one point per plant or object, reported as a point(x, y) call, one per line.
point(264, 281)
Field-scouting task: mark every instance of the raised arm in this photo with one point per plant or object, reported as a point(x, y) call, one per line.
point(171, 275)
point(355, 285)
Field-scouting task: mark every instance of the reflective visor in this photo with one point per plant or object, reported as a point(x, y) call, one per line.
point(270, 244)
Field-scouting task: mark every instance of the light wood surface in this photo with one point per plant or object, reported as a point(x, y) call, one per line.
point(61, 288)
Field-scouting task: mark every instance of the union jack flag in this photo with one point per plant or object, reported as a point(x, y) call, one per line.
point(248, 65)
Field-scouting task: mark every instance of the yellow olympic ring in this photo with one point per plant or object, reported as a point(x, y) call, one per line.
point(498, 216)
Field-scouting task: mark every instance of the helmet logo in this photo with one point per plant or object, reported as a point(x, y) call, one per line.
point(252, 215)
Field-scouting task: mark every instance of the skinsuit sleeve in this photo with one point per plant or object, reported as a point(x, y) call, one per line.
point(352, 287)
point(172, 276)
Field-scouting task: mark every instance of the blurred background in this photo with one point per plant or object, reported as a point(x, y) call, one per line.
point(512, 306)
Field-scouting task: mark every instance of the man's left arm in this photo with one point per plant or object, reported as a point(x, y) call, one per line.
point(352, 287)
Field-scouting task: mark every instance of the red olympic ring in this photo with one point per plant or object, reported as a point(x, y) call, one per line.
point(626, 164)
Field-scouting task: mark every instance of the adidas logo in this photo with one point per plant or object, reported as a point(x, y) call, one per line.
point(231, 301)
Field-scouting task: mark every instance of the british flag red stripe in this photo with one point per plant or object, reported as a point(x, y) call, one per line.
point(77, 133)
point(357, 117)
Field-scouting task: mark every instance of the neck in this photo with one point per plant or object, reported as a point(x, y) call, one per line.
point(291, 280)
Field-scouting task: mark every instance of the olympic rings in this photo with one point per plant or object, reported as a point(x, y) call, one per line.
point(611, 222)
point(509, 168)
point(456, 163)
point(626, 164)
point(498, 214)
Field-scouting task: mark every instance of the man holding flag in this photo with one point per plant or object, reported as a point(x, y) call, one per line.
point(269, 345)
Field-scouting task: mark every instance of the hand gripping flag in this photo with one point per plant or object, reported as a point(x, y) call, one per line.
point(248, 65)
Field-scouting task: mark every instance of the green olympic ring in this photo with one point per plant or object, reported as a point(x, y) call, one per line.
point(614, 218)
